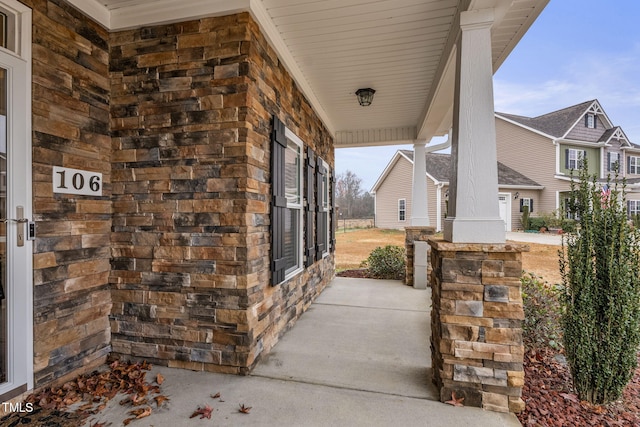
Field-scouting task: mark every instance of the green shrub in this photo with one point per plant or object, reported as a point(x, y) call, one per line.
point(568, 225)
point(600, 271)
point(536, 223)
point(542, 311)
point(386, 263)
point(525, 217)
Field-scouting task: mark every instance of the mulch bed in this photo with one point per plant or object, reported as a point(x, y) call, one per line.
point(551, 401)
point(360, 273)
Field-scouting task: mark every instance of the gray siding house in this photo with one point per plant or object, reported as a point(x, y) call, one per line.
point(547, 148)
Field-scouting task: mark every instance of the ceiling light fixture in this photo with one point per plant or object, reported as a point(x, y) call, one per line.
point(365, 96)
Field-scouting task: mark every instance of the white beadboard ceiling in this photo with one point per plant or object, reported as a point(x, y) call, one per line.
point(404, 49)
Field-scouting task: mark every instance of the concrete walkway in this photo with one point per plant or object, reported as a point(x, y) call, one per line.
point(359, 357)
point(543, 238)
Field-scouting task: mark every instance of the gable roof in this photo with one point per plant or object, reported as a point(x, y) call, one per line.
point(557, 123)
point(439, 167)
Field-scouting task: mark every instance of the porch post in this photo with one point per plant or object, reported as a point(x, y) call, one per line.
point(419, 212)
point(474, 215)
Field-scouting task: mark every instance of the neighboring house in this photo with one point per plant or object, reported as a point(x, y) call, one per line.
point(393, 199)
point(547, 148)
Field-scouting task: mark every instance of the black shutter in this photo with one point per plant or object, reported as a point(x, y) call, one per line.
point(521, 204)
point(310, 209)
point(586, 120)
point(595, 121)
point(609, 162)
point(629, 165)
point(530, 205)
point(321, 215)
point(566, 158)
point(332, 210)
point(278, 201)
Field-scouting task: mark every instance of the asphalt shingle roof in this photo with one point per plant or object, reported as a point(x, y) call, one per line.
point(439, 167)
point(556, 123)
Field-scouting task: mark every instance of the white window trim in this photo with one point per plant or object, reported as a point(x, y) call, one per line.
point(591, 121)
point(326, 207)
point(403, 210)
point(578, 157)
point(634, 165)
point(526, 201)
point(636, 209)
point(610, 166)
point(290, 136)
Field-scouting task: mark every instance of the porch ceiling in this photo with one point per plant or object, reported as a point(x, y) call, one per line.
point(404, 49)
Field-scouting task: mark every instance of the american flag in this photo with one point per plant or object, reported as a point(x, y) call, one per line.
point(606, 193)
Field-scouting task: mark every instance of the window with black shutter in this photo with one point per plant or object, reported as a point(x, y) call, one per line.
point(332, 210)
point(287, 185)
point(310, 208)
point(322, 208)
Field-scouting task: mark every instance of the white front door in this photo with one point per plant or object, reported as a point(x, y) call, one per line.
point(16, 253)
point(504, 201)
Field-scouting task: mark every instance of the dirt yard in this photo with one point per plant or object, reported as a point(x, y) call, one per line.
point(354, 246)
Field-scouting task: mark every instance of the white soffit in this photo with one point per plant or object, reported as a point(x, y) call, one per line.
point(400, 48)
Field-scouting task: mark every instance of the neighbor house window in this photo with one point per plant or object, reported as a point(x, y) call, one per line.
point(570, 209)
point(526, 202)
point(574, 158)
point(590, 121)
point(286, 204)
point(633, 208)
point(402, 209)
point(633, 165)
point(613, 163)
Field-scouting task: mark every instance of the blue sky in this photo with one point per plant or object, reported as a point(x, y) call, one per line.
point(576, 51)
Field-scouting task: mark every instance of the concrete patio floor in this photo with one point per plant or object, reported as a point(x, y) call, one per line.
point(358, 357)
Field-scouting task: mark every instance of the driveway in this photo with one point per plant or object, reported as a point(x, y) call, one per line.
point(543, 238)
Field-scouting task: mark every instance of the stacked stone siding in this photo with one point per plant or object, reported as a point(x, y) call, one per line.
point(415, 234)
point(476, 323)
point(71, 92)
point(191, 110)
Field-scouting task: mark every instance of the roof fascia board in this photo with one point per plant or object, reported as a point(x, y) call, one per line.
point(387, 169)
point(95, 10)
point(580, 143)
point(168, 11)
point(521, 187)
point(595, 102)
point(524, 126)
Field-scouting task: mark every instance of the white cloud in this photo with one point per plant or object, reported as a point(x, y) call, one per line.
point(610, 78)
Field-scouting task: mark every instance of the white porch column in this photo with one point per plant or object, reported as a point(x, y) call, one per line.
point(474, 215)
point(419, 212)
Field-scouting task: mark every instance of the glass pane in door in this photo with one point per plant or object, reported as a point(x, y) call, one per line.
point(3, 230)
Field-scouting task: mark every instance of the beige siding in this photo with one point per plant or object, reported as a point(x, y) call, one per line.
point(397, 185)
point(582, 133)
point(534, 156)
point(516, 215)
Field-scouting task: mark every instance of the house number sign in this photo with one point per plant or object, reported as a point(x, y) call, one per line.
point(76, 181)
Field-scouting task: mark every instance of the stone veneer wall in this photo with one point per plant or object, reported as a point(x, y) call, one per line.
point(71, 254)
point(191, 117)
point(413, 234)
point(476, 323)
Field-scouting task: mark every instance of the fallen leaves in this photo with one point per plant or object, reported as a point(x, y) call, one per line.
point(204, 412)
point(551, 401)
point(244, 409)
point(454, 400)
point(97, 388)
point(138, 414)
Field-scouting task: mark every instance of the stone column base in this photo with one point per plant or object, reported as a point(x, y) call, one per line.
point(412, 234)
point(476, 323)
